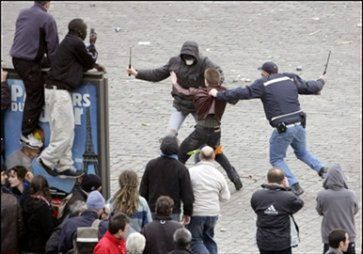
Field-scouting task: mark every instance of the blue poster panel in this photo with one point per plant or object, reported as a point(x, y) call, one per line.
point(85, 146)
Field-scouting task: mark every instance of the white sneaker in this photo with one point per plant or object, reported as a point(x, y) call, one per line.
point(31, 141)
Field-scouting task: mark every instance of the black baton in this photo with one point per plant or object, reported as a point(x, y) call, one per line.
point(327, 62)
point(130, 60)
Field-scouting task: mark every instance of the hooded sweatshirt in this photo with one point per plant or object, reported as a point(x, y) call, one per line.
point(337, 204)
point(188, 75)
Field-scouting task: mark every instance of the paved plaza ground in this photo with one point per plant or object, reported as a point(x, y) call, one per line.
point(238, 36)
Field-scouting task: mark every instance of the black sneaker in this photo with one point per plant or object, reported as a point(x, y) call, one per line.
point(322, 172)
point(49, 170)
point(237, 183)
point(70, 174)
point(296, 189)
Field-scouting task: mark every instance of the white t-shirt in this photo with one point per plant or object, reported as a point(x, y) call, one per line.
point(209, 187)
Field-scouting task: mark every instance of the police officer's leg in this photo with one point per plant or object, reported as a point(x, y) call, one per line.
point(176, 120)
point(192, 142)
point(279, 142)
point(300, 149)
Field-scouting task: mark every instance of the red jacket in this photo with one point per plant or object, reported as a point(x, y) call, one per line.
point(110, 245)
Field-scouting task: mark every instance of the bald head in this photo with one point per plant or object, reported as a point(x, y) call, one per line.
point(207, 153)
point(275, 175)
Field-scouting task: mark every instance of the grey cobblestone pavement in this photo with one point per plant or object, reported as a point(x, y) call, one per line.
point(239, 36)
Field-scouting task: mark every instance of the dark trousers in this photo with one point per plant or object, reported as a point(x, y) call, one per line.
point(286, 251)
point(205, 136)
point(31, 74)
point(351, 248)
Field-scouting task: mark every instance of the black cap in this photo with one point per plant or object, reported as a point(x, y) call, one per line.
point(90, 182)
point(169, 145)
point(269, 67)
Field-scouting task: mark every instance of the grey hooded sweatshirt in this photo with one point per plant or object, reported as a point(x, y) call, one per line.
point(188, 76)
point(337, 204)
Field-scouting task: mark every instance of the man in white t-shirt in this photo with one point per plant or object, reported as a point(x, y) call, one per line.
point(209, 187)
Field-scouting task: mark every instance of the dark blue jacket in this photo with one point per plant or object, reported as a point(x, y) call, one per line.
point(35, 34)
point(273, 206)
point(70, 228)
point(278, 93)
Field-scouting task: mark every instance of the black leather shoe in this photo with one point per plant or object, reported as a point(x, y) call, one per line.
point(296, 188)
point(49, 170)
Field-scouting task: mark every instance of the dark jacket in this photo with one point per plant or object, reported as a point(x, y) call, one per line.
point(167, 176)
point(21, 195)
point(189, 76)
point(337, 204)
point(205, 104)
point(35, 34)
point(71, 60)
point(159, 235)
point(70, 228)
point(11, 223)
point(38, 222)
point(179, 252)
point(5, 96)
point(278, 93)
point(273, 206)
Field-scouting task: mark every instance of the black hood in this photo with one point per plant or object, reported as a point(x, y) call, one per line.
point(190, 48)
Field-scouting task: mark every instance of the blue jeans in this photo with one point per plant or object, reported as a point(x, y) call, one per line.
point(202, 229)
point(176, 120)
point(296, 137)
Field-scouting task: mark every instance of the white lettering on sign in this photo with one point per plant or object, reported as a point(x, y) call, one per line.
point(79, 102)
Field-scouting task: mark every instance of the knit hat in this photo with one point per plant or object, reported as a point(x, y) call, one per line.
point(95, 200)
point(169, 145)
point(90, 182)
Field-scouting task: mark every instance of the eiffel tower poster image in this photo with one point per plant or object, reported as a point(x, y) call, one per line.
point(90, 158)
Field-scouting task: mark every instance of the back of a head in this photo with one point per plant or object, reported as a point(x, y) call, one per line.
point(135, 243)
point(207, 153)
point(335, 237)
point(127, 198)
point(213, 77)
point(117, 222)
point(41, 2)
point(164, 206)
point(270, 67)
point(39, 185)
point(275, 175)
point(95, 200)
point(76, 25)
point(182, 237)
point(77, 208)
point(169, 145)
point(91, 182)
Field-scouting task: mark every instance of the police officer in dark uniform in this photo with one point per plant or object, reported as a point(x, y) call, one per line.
point(279, 95)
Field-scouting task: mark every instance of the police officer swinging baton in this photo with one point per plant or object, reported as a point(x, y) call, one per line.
point(327, 62)
point(130, 61)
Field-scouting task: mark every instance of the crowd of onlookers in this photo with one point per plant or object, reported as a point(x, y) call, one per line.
point(173, 210)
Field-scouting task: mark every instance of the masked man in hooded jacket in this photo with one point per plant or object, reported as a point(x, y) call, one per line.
point(338, 205)
point(189, 66)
